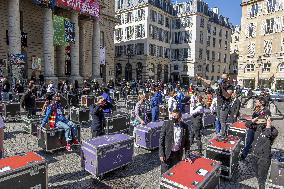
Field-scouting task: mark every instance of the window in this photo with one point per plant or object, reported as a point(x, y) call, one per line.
point(152, 49)
point(269, 26)
point(219, 57)
point(213, 55)
point(208, 54)
point(175, 67)
point(102, 39)
point(266, 67)
point(153, 15)
point(185, 68)
point(250, 68)
point(129, 32)
point(226, 45)
point(201, 37)
point(129, 17)
point(227, 34)
point(209, 28)
point(200, 54)
point(267, 47)
point(225, 58)
point(251, 49)
point(202, 23)
point(119, 4)
point(185, 53)
point(140, 48)
point(213, 68)
point(219, 70)
point(140, 31)
point(160, 52)
point(220, 33)
point(214, 31)
point(140, 15)
point(130, 49)
point(271, 5)
point(119, 51)
point(208, 41)
point(253, 10)
point(167, 22)
point(118, 34)
point(167, 53)
point(189, 52)
point(281, 67)
point(160, 19)
point(220, 43)
point(214, 42)
point(282, 45)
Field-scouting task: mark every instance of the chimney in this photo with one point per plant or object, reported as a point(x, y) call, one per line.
point(215, 10)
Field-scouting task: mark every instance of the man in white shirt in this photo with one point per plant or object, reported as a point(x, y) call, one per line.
point(174, 140)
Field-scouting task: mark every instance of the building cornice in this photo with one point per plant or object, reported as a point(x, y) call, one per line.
point(249, 2)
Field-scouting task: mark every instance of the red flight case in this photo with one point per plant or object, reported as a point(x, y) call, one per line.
point(201, 173)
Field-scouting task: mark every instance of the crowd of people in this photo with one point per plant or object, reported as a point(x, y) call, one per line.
point(224, 101)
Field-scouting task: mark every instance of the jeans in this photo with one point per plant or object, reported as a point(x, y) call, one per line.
point(155, 114)
point(5, 96)
point(261, 166)
point(217, 126)
point(70, 128)
point(249, 141)
point(223, 120)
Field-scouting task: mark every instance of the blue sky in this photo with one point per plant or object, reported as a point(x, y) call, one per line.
point(228, 8)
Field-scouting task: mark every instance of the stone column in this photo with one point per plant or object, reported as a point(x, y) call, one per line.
point(14, 31)
point(48, 48)
point(60, 61)
point(75, 75)
point(82, 49)
point(96, 50)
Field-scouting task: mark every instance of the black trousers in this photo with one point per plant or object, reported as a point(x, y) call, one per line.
point(261, 167)
point(174, 158)
point(196, 133)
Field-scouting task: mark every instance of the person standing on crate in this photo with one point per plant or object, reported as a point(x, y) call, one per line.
point(174, 140)
point(28, 101)
point(154, 104)
point(260, 112)
point(196, 113)
point(97, 113)
point(140, 112)
point(55, 118)
point(264, 136)
point(224, 93)
point(172, 103)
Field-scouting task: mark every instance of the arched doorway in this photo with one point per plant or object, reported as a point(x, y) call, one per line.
point(128, 72)
point(159, 72)
point(139, 71)
point(118, 71)
point(166, 73)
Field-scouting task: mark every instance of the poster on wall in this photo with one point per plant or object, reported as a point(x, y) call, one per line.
point(69, 34)
point(45, 3)
point(102, 56)
point(89, 7)
point(17, 58)
point(36, 63)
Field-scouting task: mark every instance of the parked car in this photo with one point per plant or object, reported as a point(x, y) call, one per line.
point(277, 96)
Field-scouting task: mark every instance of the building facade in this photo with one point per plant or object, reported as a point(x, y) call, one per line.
point(178, 40)
point(261, 63)
point(32, 30)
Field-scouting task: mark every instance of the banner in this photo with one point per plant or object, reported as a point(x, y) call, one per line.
point(69, 31)
point(103, 56)
point(89, 7)
point(36, 63)
point(45, 3)
point(17, 58)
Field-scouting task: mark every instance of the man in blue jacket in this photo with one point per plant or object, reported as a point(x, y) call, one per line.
point(154, 103)
point(56, 119)
point(108, 100)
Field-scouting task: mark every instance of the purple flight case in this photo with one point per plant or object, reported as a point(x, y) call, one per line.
point(147, 136)
point(106, 153)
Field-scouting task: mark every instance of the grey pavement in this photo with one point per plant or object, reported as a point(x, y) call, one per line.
point(64, 170)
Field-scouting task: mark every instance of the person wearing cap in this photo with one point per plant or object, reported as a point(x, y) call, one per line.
point(55, 118)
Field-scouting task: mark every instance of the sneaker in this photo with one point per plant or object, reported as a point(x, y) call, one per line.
point(68, 147)
point(76, 141)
